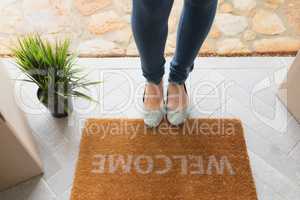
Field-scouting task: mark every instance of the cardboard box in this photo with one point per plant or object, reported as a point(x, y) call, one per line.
point(289, 91)
point(19, 159)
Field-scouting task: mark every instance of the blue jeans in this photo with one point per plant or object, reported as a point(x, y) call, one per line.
point(150, 30)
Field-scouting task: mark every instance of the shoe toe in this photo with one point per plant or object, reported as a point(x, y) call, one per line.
point(153, 118)
point(177, 117)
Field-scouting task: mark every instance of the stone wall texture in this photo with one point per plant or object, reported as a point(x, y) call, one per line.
point(100, 28)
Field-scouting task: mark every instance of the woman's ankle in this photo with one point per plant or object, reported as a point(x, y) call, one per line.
point(153, 96)
point(177, 98)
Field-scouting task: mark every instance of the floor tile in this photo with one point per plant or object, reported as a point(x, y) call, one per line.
point(34, 189)
point(281, 187)
point(273, 156)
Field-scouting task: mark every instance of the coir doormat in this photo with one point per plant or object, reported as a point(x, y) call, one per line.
point(204, 159)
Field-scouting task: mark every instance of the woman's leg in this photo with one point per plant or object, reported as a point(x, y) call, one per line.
point(195, 22)
point(150, 30)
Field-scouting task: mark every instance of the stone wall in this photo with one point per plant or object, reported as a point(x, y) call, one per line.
point(102, 27)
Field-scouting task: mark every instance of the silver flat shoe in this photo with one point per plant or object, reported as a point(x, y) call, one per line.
point(177, 117)
point(152, 118)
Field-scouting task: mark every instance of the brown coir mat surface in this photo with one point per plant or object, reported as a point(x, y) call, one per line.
point(204, 159)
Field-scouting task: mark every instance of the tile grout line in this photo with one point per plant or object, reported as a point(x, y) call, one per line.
point(293, 148)
point(49, 188)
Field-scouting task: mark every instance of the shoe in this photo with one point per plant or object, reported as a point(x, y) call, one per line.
point(152, 118)
point(177, 117)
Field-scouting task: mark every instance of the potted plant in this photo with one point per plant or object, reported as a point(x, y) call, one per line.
point(53, 69)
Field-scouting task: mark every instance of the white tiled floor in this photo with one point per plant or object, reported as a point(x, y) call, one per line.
point(219, 87)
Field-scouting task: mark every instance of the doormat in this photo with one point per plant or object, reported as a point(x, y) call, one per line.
point(203, 159)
